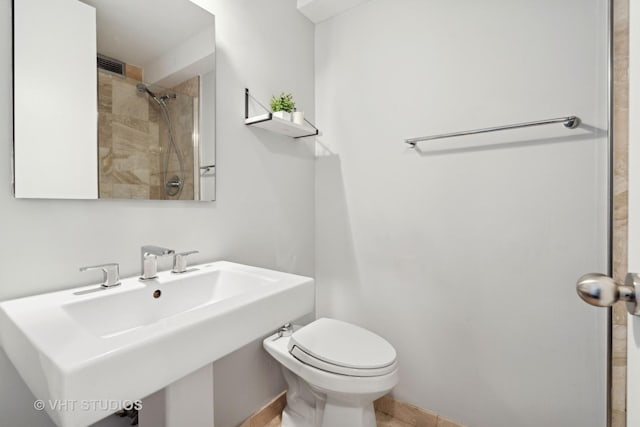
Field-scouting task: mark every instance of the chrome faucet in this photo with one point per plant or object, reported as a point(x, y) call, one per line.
point(149, 260)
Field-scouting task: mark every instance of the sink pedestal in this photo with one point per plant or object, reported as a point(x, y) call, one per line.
point(186, 402)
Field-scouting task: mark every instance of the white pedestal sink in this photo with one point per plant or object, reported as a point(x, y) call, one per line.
point(81, 350)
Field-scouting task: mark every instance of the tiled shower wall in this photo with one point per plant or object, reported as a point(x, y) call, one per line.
point(129, 151)
point(620, 206)
point(181, 111)
point(132, 137)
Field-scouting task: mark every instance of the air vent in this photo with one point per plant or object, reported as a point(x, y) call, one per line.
point(111, 65)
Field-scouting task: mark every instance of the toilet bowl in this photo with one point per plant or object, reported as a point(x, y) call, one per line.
point(334, 371)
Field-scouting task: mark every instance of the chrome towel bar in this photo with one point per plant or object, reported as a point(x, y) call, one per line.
point(570, 122)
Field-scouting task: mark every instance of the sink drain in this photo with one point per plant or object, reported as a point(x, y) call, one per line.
point(157, 293)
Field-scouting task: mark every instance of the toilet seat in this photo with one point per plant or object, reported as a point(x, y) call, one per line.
point(342, 348)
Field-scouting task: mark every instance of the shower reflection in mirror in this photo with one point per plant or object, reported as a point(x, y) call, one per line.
point(147, 138)
point(152, 93)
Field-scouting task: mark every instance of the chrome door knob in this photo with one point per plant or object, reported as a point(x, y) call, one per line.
point(602, 291)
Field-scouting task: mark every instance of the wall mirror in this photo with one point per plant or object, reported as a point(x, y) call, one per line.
point(114, 99)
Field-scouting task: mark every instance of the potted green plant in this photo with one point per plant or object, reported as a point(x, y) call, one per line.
point(282, 106)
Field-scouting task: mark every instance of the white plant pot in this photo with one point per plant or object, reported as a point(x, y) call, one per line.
point(282, 115)
point(298, 117)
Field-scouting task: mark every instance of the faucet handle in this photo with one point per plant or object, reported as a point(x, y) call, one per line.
point(110, 271)
point(149, 267)
point(180, 261)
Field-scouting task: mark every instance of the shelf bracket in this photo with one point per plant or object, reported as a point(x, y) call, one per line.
point(247, 95)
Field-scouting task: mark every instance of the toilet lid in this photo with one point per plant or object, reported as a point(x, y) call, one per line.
point(343, 348)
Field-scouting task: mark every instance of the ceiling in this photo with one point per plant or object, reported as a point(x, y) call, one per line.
point(138, 31)
point(321, 10)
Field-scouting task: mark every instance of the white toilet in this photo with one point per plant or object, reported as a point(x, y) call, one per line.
point(334, 371)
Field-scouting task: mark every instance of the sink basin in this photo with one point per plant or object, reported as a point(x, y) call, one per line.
point(180, 294)
point(90, 347)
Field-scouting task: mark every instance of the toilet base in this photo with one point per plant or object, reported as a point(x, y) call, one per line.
point(336, 415)
point(309, 406)
point(301, 403)
point(292, 419)
point(331, 415)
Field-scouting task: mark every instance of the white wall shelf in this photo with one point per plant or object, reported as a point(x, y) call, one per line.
point(277, 125)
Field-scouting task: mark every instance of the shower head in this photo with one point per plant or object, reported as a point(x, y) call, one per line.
point(143, 88)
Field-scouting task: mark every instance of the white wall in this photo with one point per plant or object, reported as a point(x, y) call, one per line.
point(263, 215)
point(465, 256)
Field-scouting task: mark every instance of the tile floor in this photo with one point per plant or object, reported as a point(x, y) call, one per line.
point(403, 415)
point(383, 420)
point(389, 413)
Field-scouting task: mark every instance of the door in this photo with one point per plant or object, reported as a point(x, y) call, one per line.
point(616, 292)
point(633, 322)
point(599, 291)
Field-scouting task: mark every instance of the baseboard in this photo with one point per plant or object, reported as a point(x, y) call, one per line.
point(411, 414)
point(267, 413)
